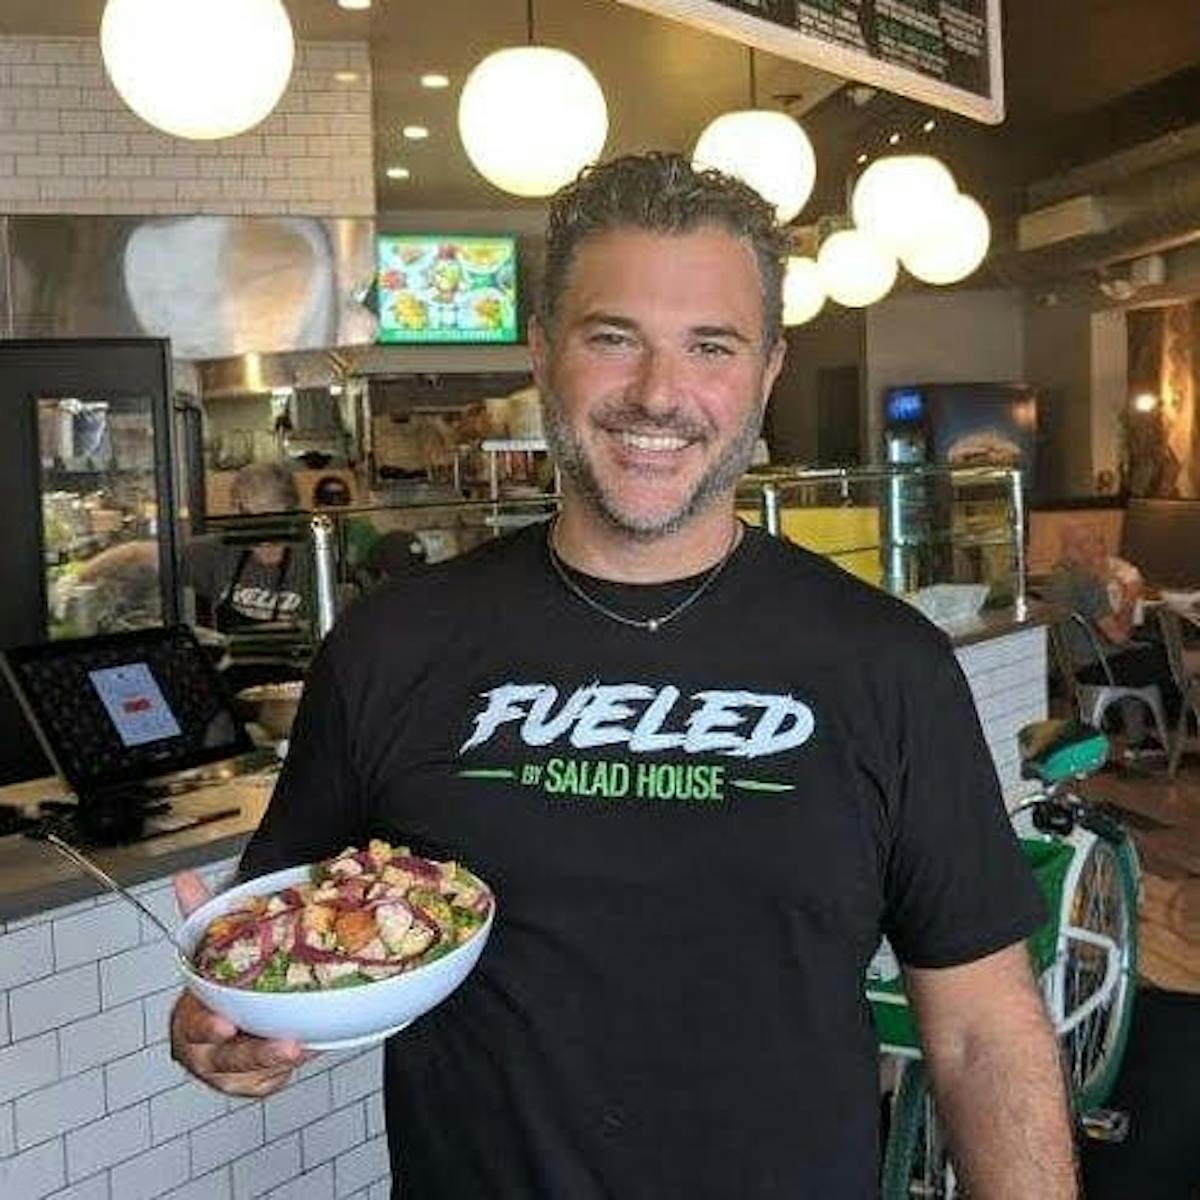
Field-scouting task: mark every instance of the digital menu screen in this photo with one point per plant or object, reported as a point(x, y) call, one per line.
point(447, 289)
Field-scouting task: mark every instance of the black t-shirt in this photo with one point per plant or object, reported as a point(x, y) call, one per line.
point(696, 837)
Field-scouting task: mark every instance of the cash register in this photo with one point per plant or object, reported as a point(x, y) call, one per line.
point(124, 718)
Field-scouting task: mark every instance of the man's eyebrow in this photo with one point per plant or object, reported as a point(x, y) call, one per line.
point(606, 318)
point(701, 331)
point(720, 331)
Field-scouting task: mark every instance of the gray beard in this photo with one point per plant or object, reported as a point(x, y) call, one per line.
point(576, 467)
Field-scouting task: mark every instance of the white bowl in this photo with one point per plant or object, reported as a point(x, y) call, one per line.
point(332, 1019)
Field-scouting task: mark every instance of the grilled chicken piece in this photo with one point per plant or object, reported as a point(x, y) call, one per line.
point(221, 927)
point(394, 920)
point(299, 975)
point(354, 929)
point(317, 919)
point(326, 973)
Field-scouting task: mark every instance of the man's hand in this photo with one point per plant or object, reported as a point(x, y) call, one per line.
point(212, 1048)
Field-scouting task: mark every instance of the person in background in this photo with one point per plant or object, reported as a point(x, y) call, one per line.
point(704, 769)
point(237, 586)
point(265, 586)
point(1107, 592)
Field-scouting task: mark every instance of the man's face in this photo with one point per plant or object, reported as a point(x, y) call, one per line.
point(654, 377)
point(1084, 547)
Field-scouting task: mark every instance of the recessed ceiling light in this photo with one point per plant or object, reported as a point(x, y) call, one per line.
point(415, 133)
point(929, 125)
point(398, 172)
point(893, 139)
point(862, 158)
point(346, 76)
point(435, 79)
point(355, 4)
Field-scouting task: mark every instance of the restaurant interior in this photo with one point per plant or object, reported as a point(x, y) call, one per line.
point(288, 343)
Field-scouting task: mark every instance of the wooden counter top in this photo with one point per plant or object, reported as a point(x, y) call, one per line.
point(34, 877)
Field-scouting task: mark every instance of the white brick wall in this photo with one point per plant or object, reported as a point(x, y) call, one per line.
point(68, 143)
point(93, 1108)
point(1007, 676)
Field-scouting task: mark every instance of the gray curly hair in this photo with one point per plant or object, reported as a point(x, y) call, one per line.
point(662, 193)
point(264, 488)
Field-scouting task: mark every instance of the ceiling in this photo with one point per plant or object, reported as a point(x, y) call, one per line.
point(1065, 59)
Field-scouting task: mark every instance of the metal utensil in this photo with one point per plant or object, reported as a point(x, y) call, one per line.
point(101, 876)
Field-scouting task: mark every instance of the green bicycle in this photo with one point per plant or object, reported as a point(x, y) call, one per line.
point(1085, 956)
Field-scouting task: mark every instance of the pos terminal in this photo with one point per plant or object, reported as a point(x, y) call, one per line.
point(119, 714)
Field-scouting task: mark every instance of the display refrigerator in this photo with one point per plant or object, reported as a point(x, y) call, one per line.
point(89, 521)
point(935, 531)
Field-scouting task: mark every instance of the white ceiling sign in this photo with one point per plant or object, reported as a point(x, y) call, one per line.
point(945, 53)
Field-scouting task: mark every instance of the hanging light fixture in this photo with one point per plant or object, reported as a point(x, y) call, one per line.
point(200, 69)
point(957, 246)
point(899, 199)
point(767, 150)
point(531, 117)
point(856, 269)
point(803, 290)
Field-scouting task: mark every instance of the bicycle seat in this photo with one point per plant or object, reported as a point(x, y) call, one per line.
point(1054, 751)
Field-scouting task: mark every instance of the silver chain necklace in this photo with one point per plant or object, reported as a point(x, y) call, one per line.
point(650, 624)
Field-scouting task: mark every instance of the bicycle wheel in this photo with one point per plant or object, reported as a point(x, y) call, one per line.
point(1103, 902)
point(916, 1161)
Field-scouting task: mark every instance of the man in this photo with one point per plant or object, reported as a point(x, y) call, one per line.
point(1105, 592)
point(251, 587)
point(703, 770)
point(240, 586)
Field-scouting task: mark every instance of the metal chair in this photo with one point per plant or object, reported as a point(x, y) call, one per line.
point(1093, 700)
point(1171, 625)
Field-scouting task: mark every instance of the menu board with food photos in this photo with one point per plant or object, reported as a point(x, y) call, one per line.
point(447, 289)
point(945, 53)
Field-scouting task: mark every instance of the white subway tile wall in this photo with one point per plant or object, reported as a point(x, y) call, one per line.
point(68, 143)
point(93, 1108)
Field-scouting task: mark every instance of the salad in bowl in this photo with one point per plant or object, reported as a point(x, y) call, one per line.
point(342, 952)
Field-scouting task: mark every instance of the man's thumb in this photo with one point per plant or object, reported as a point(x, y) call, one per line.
point(190, 891)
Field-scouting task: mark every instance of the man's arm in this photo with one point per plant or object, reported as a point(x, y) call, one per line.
point(997, 1077)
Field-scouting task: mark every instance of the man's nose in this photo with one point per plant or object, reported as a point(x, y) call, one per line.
point(658, 382)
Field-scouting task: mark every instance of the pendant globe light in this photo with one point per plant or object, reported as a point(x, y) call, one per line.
point(765, 149)
point(958, 246)
point(200, 69)
point(531, 117)
point(803, 290)
point(899, 199)
point(855, 268)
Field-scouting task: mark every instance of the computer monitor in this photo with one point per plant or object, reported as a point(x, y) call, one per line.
point(116, 710)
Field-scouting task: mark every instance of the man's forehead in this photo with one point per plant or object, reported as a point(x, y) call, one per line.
point(665, 260)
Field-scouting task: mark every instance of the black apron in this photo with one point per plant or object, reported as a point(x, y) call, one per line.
point(227, 619)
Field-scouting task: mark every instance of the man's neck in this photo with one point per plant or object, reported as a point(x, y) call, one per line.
point(586, 541)
point(270, 554)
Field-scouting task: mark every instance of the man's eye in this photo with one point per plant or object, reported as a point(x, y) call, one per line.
point(608, 338)
point(712, 350)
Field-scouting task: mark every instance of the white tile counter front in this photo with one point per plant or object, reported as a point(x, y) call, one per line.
point(1007, 676)
point(93, 1108)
